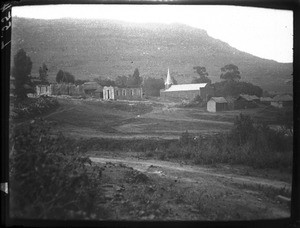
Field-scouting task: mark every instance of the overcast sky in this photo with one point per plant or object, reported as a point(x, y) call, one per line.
point(265, 33)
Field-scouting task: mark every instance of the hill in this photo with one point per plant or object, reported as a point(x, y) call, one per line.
point(93, 48)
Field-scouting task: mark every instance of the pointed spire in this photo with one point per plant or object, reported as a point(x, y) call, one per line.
point(168, 81)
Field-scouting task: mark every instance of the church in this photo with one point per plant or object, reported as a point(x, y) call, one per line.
point(185, 91)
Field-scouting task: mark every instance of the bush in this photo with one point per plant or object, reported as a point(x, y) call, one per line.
point(249, 144)
point(32, 107)
point(49, 178)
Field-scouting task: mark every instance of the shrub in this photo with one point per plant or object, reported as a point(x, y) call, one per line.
point(32, 107)
point(243, 128)
point(49, 178)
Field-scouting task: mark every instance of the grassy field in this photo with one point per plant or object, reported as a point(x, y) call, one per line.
point(129, 118)
point(95, 118)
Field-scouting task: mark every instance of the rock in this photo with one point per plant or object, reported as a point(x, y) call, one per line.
point(141, 212)
point(118, 188)
point(284, 199)
point(152, 216)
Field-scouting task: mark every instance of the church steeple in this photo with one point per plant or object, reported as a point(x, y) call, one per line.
point(168, 81)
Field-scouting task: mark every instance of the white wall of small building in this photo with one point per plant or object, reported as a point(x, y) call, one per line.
point(211, 106)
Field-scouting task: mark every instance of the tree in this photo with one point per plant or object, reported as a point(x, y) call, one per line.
point(105, 81)
point(121, 81)
point(136, 73)
point(64, 76)
point(152, 86)
point(43, 73)
point(201, 71)
point(80, 82)
point(134, 80)
point(21, 72)
point(235, 88)
point(174, 81)
point(230, 72)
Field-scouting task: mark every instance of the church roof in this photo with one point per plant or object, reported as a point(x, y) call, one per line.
point(186, 87)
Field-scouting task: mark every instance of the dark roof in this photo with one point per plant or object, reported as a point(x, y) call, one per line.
point(266, 99)
point(100, 89)
point(219, 99)
point(284, 97)
point(249, 97)
point(91, 85)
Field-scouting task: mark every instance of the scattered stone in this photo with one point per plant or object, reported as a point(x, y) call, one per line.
point(141, 212)
point(120, 188)
point(284, 199)
point(152, 216)
point(194, 210)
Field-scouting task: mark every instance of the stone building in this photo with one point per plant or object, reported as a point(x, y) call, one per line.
point(59, 89)
point(43, 90)
point(116, 93)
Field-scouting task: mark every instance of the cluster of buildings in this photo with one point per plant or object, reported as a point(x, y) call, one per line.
point(214, 104)
point(179, 92)
point(245, 101)
point(92, 89)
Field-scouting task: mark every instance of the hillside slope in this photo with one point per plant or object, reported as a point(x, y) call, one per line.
point(92, 48)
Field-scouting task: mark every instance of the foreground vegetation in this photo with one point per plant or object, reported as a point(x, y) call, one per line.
point(49, 177)
point(247, 143)
point(31, 107)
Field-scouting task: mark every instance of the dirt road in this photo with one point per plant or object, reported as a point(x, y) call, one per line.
point(207, 193)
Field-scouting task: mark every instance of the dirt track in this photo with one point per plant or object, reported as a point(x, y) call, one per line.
point(180, 172)
point(227, 196)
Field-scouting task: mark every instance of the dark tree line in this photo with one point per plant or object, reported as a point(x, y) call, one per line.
point(64, 76)
point(230, 86)
point(21, 73)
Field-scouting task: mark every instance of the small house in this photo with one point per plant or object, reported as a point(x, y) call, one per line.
point(89, 88)
point(283, 100)
point(216, 104)
point(245, 101)
point(266, 100)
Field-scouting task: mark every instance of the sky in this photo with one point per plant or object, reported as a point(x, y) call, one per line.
point(266, 33)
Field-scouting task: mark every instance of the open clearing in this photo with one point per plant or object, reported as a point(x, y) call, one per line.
point(95, 118)
point(137, 187)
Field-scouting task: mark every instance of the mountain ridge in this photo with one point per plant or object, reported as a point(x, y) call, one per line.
point(89, 48)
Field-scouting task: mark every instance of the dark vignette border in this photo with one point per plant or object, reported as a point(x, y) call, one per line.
point(294, 221)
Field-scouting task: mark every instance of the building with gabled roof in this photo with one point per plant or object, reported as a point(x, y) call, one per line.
point(216, 104)
point(282, 100)
point(266, 100)
point(245, 101)
point(185, 91)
